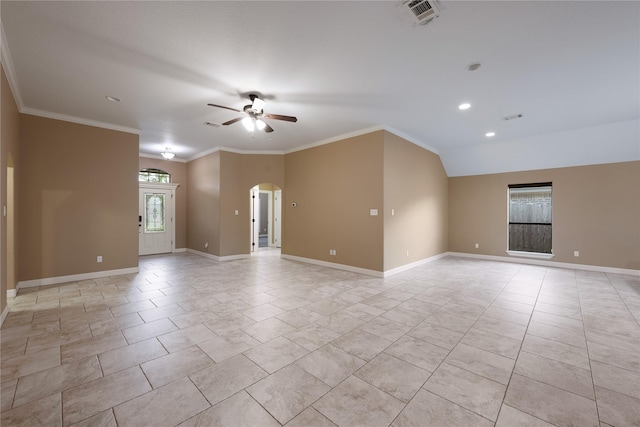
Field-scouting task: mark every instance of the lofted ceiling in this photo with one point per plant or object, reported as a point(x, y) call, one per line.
point(572, 69)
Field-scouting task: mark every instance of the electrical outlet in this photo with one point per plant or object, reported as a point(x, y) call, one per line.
point(206, 245)
point(477, 245)
point(99, 259)
point(407, 253)
point(576, 253)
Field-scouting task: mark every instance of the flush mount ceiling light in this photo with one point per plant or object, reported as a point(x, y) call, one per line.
point(490, 134)
point(168, 154)
point(112, 98)
point(464, 106)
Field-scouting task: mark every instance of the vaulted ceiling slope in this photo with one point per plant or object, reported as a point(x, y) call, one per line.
point(342, 67)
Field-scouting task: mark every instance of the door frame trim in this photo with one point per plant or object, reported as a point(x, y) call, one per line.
point(163, 186)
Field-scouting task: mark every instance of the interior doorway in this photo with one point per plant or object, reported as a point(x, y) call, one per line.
point(266, 229)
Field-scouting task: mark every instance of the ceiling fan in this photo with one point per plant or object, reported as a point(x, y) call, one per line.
point(255, 115)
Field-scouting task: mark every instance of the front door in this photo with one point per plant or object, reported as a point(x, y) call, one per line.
point(155, 226)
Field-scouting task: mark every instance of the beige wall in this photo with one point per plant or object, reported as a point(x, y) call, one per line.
point(415, 188)
point(238, 174)
point(596, 210)
point(203, 204)
point(78, 199)
point(178, 171)
point(9, 144)
point(334, 186)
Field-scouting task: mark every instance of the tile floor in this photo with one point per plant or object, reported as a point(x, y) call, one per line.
point(269, 342)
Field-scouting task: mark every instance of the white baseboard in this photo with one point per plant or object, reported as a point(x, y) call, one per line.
point(11, 293)
point(3, 316)
point(219, 258)
point(179, 250)
point(75, 277)
point(415, 264)
point(546, 263)
point(337, 266)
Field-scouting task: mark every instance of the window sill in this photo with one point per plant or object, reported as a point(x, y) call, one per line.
point(537, 255)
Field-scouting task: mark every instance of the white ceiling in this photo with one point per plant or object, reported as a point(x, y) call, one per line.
point(571, 68)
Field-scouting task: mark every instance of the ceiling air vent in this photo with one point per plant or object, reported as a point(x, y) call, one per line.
point(424, 11)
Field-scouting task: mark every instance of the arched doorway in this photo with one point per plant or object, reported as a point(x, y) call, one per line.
point(266, 218)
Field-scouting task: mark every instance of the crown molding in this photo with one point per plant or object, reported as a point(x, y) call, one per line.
point(159, 157)
point(79, 120)
point(9, 70)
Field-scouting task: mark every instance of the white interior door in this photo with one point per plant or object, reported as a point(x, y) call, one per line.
point(277, 217)
point(156, 225)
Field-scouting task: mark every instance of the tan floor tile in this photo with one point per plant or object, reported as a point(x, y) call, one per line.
point(161, 312)
point(276, 354)
point(549, 403)
point(7, 394)
point(310, 417)
point(167, 405)
point(617, 409)
point(24, 331)
point(567, 377)
point(58, 338)
point(134, 354)
point(227, 378)
point(428, 409)
point(45, 383)
point(489, 365)
point(613, 356)
point(405, 316)
point(356, 403)
point(616, 379)
point(14, 348)
point(558, 321)
point(330, 364)
point(80, 402)
point(174, 366)
point(436, 335)
point(185, 320)
point(338, 322)
point(268, 329)
point(102, 419)
point(91, 346)
point(178, 340)
point(148, 330)
point(30, 363)
point(557, 351)
point(229, 322)
point(362, 311)
point(385, 328)
point(512, 417)
point(287, 392)
point(239, 410)
point(474, 392)
point(45, 412)
point(85, 318)
point(228, 345)
point(501, 327)
point(115, 324)
point(554, 333)
point(419, 353)
point(362, 344)
point(394, 376)
point(312, 337)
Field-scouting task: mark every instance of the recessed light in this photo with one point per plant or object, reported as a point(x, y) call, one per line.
point(112, 98)
point(464, 106)
point(490, 134)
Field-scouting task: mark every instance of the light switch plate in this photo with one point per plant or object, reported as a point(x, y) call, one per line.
point(373, 212)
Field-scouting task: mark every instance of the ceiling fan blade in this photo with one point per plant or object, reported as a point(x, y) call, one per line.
point(281, 117)
point(226, 108)
point(267, 128)
point(232, 121)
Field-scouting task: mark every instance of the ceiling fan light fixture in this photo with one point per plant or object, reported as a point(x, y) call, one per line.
point(260, 124)
point(258, 104)
point(248, 124)
point(168, 154)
